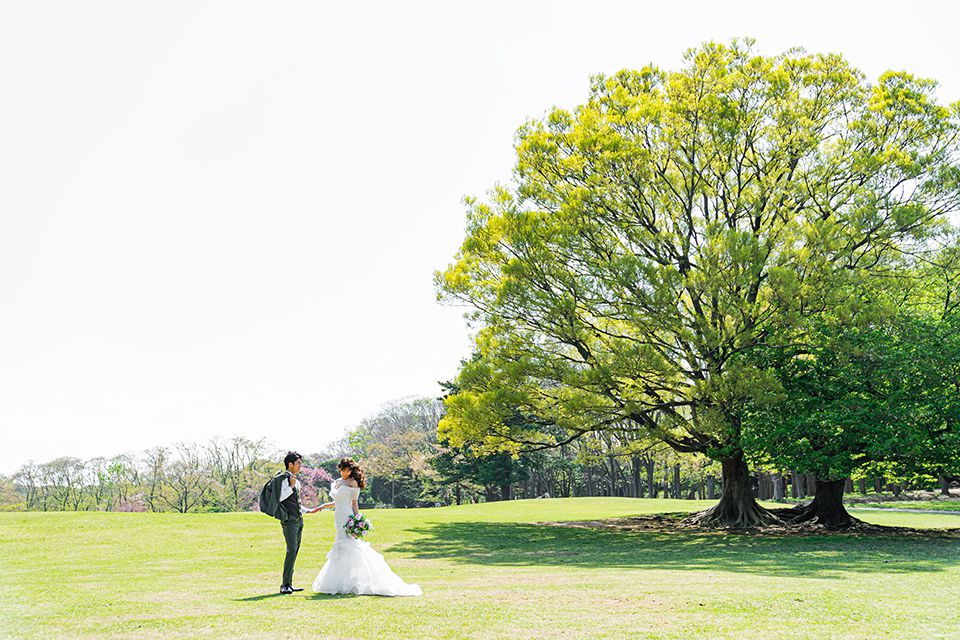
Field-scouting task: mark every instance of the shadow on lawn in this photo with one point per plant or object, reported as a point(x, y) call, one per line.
point(311, 596)
point(827, 556)
point(258, 598)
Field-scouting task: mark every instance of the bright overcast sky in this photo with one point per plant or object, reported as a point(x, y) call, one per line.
point(223, 218)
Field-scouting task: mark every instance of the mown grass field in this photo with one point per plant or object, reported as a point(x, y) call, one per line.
point(487, 572)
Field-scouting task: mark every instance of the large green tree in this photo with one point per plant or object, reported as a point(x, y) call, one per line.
point(675, 220)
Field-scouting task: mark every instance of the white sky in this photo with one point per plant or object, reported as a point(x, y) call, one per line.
point(222, 218)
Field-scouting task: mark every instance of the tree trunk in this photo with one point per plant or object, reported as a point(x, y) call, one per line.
point(613, 475)
point(651, 483)
point(944, 486)
point(848, 486)
point(811, 484)
point(737, 507)
point(764, 488)
point(676, 482)
point(711, 487)
point(778, 491)
point(505, 492)
point(826, 508)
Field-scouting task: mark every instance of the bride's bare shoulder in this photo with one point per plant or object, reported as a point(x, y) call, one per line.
point(350, 482)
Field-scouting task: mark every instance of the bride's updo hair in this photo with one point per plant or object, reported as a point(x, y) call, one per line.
point(355, 471)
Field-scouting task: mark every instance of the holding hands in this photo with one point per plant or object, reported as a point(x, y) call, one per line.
point(326, 505)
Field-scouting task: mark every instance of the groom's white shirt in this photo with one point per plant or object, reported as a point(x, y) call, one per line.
point(286, 491)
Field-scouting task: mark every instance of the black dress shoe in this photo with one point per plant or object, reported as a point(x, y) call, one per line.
point(296, 588)
point(285, 589)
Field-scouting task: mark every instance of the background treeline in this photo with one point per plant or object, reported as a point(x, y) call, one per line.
point(407, 466)
point(223, 475)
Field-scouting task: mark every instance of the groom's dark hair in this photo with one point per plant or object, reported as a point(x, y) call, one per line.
point(291, 457)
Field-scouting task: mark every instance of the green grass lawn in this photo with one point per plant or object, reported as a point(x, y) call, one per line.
point(486, 571)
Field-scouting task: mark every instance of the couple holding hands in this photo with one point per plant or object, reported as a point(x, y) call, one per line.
point(352, 565)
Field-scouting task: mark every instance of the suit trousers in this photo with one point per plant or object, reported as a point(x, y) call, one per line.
point(292, 532)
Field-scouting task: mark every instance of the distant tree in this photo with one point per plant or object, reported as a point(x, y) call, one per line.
point(496, 473)
point(236, 464)
point(10, 498)
point(187, 480)
point(154, 464)
point(100, 483)
point(393, 445)
point(124, 477)
point(63, 479)
point(27, 478)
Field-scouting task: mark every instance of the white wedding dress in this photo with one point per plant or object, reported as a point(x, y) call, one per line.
point(352, 565)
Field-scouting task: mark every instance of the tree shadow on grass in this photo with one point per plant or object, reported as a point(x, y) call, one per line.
point(826, 556)
point(265, 596)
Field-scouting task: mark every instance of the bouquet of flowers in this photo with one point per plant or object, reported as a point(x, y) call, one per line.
point(357, 525)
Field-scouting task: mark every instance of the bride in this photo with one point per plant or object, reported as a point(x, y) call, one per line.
point(352, 565)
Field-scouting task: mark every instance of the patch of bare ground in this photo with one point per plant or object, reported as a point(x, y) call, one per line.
point(680, 522)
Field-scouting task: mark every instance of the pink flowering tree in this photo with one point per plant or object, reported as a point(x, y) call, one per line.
point(314, 483)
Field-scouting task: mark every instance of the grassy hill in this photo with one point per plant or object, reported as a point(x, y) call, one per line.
point(488, 571)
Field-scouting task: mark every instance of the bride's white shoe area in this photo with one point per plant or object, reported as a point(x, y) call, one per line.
point(353, 566)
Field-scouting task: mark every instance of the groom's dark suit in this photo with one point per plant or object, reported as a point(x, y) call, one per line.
point(291, 520)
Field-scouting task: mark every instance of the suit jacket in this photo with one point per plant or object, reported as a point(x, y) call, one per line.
point(272, 504)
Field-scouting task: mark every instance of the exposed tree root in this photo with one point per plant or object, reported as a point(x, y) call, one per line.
point(737, 509)
point(725, 515)
point(825, 509)
point(809, 514)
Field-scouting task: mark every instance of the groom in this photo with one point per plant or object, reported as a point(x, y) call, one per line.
point(291, 515)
